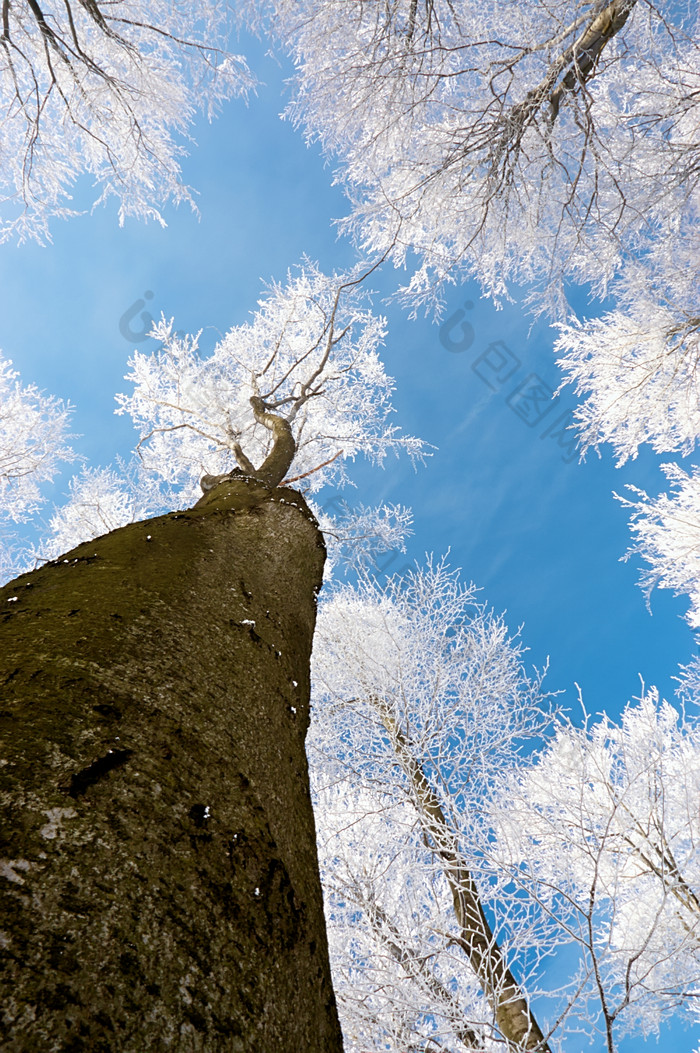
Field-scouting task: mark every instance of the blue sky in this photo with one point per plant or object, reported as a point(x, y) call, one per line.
point(539, 533)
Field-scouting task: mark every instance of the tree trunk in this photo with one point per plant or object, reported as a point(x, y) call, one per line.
point(158, 867)
point(513, 1016)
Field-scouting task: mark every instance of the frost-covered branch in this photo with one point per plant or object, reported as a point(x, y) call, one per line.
point(101, 500)
point(667, 535)
point(453, 860)
point(527, 142)
point(533, 144)
point(512, 1013)
point(357, 537)
point(419, 698)
point(105, 89)
point(298, 390)
point(33, 440)
point(601, 832)
point(638, 366)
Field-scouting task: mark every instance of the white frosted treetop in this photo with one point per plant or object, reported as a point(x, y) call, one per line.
point(309, 358)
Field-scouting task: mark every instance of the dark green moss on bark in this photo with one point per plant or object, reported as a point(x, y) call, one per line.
point(158, 876)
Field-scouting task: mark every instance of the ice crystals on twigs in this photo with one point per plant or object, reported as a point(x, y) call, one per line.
point(308, 359)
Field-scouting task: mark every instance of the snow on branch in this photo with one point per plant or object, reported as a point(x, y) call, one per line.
point(667, 535)
point(101, 500)
point(601, 833)
point(298, 391)
point(638, 366)
point(105, 89)
point(355, 537)
point(33, 440)
point(529, 142)
point(419, 699)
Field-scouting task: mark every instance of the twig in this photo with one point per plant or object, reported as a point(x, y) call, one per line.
point(296, 478)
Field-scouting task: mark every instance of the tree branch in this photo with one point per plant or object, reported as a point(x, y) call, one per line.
point(278, 462)
point(415, 967)
point(512, 1012)
point(296, 478)
point(585, 52)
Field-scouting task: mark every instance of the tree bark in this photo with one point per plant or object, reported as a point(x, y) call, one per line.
point(158, 874)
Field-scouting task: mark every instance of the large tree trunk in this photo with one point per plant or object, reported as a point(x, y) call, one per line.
point(158, 868)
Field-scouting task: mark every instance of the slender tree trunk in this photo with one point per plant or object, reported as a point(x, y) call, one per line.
point(512, 1012)
point(158, 867)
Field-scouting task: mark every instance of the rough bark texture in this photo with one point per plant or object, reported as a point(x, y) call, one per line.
point(158, 866)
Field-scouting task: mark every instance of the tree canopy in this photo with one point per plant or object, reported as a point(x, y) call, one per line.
point(514, 141)
point(108, 90)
